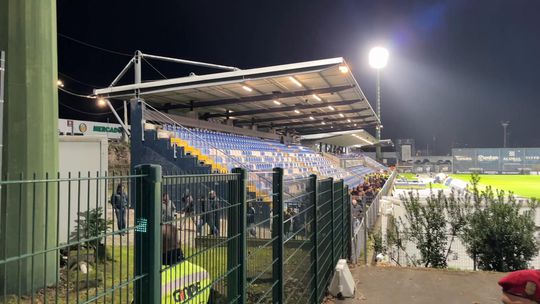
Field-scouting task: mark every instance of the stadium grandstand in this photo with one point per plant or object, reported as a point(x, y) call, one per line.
point(257, 119)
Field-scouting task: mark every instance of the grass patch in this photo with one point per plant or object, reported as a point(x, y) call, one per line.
point(521, 185)
point(408, 176)
point(102, 281)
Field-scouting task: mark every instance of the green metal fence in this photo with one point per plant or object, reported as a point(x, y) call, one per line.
point(61, 242)
point(244, 237)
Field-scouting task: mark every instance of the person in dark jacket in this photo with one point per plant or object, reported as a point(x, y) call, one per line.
point(214, 218)
point(207, 213)
point(119, 200)
point(188, 209)
point(251, 220)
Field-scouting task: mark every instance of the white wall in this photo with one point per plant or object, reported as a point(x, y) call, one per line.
point(89, 156)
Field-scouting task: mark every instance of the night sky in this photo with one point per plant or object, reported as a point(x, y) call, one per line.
point(457, 68)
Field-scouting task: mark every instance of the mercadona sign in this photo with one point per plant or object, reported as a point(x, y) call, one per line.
point(89, 128)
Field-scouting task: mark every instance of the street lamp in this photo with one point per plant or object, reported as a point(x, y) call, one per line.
point(378, 58)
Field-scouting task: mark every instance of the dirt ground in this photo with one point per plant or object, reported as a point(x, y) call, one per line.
point(382, 285)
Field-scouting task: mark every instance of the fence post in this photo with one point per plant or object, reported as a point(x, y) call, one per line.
point(277, 236)
point(346, 224)
point(314, 228)
point(236, 254)
point(342, 222)
point(365, 241)
point(148, 234)
point(333, 219)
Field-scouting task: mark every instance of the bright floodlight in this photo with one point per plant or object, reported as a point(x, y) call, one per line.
point(378, 57)
point(101, 102)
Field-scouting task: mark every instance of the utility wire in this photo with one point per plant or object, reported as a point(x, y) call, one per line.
point(93, 86)
point(76, 94)
point(89, 113)
point(94, 46)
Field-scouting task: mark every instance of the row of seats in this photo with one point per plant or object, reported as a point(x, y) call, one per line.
point(255, 154)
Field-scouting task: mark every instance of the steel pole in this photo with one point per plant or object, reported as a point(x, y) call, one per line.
point(126, 135)
point(504, 136)
point(28, 36)
point(2, 73)
point(378, 147)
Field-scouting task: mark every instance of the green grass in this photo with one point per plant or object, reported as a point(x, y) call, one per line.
point(71, 287)
point(521, 185)
point(412, 177)
point(409, 176)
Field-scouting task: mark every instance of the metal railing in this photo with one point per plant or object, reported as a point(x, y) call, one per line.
point(213, 238)
point(360, 227)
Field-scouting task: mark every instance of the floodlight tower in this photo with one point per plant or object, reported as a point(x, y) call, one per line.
point(378, 58)
point(505, 125)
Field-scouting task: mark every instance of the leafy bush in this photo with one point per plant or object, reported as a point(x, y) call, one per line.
point(499, 233)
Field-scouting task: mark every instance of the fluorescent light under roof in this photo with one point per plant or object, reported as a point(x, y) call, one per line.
point(343, 69)
point(331, 108)
point(341, 114)
point(277, 102)
point(348, 120)
point(323, 123)
point(247, 88)
point(312, 118)
point(296, 111)
point(296, 82)
point(316, 97)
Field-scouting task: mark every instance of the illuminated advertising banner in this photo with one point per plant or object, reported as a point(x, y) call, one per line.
point(496, 160)
point(464, 160)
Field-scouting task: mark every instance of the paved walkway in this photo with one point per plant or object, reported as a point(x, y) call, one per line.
point(382, 285)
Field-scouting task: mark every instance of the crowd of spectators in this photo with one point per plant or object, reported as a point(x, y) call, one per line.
point(363, 194)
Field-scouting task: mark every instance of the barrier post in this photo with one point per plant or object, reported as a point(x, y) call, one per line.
point(277, 236)
point(333, 217)
point(148, 234)
point(237, 252)
point(315, 238)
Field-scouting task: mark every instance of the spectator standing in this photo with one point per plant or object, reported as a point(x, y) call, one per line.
point(119, 200)
point(214, 218)
point(188, 208)
point(201, 210)
point(207, 213)
point(251, 220)
point(287, 222)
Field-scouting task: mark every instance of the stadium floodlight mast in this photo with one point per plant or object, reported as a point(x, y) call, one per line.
point(505, 125)
point(378, 58)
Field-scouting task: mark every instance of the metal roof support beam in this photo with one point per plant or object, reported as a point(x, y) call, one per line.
point(189, 62)
point(303, 116)
point(303, 106)
point(327, 129)
point(311, 122)
point(277, 95)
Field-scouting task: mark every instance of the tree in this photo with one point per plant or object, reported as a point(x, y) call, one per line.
point(92, 225)
point(499, 232)
point(426, 227)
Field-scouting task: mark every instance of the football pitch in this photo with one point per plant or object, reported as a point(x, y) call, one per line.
point(521, 185)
